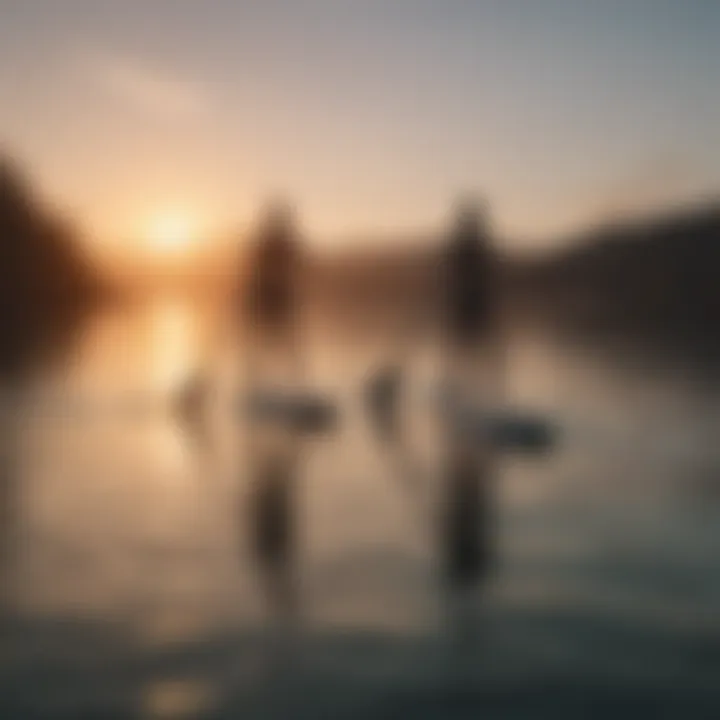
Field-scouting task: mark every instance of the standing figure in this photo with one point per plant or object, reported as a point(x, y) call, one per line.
point(470, 337)
point(470, 283)
point(271, 300)
point(273, 442)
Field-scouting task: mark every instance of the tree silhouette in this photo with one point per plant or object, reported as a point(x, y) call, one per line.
point(44, 278)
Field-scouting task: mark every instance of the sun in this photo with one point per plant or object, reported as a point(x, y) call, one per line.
point(171, 232)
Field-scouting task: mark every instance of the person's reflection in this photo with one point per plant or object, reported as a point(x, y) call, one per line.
point(274, 466)
point(466, 528)
point(384, 395)
point(190, 408)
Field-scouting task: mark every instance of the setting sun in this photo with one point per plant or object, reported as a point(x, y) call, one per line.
point(171, 232)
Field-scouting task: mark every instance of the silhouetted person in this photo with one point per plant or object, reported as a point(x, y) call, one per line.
point(272, 292)
point(469, 281)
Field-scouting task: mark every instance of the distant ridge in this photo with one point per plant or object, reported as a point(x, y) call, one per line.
point(653, 280)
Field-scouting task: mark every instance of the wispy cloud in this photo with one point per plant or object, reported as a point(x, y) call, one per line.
point(145, 88)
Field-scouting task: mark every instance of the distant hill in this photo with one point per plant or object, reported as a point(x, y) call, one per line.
point(655, 281)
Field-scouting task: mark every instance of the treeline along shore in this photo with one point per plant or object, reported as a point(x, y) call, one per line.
point(46, 281)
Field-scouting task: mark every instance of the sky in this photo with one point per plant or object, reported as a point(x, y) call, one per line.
point(372, 116)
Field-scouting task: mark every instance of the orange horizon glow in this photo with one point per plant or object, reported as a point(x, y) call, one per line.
point(171, 232)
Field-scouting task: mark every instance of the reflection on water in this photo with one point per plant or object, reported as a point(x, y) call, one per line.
point(133, 588)
point(151, 347)
point(177, 699)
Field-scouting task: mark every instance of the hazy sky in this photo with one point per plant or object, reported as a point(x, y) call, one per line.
point(371, 114)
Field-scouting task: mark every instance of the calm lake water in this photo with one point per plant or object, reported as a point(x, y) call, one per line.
point(129, 590)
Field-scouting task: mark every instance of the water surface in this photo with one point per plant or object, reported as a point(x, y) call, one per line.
point(129, 590)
